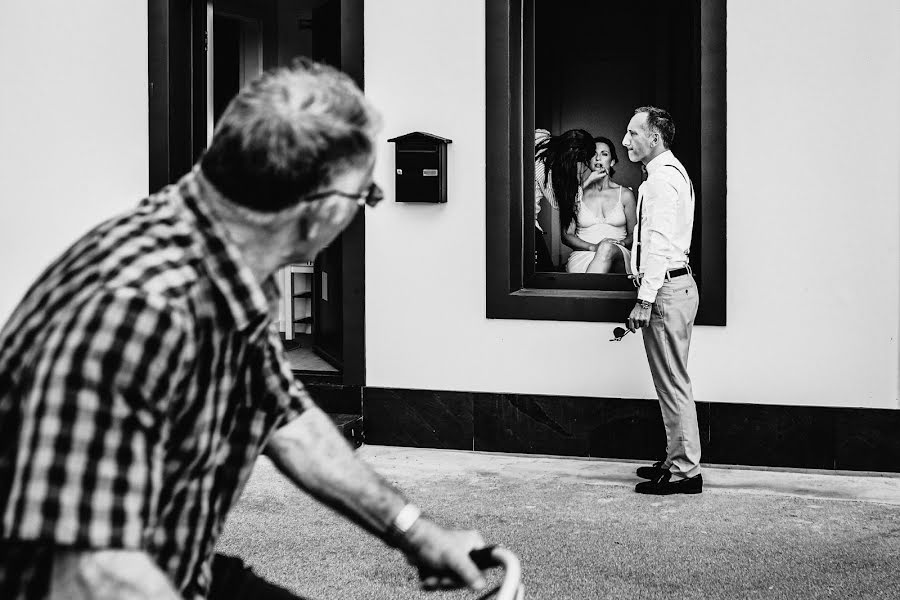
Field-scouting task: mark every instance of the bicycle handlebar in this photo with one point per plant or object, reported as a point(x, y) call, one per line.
point(497, 556)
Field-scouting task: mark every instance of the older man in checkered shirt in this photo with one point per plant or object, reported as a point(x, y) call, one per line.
point(142, 375)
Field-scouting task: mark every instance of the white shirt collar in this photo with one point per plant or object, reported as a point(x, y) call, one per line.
point(659, 161)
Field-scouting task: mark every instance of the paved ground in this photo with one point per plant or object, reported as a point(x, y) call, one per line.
point(582, 533)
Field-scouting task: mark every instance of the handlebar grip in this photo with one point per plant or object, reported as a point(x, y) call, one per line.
point(484, 558)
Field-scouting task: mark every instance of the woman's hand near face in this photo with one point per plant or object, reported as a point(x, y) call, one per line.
point(591, 177)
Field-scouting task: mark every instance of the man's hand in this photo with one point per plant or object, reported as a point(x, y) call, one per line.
point(442, 556)
point(314, 455)
point(639, 317)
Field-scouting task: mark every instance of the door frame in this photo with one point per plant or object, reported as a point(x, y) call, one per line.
point(176, 67)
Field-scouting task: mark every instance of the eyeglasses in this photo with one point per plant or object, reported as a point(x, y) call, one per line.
point(619, 333)
point(372, 196)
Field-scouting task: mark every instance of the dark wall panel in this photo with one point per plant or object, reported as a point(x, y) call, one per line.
point(854, 439)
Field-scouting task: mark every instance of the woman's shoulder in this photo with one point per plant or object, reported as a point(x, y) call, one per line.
point(627, 194)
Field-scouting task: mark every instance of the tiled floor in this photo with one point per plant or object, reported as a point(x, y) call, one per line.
point(302, 357)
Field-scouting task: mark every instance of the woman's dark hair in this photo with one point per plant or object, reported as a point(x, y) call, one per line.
point(561, 155)
point(612, 151)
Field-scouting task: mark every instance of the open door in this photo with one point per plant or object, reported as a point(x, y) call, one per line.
point(200, 53)
point(242, 42)
point(339, 276)
point(191, 77)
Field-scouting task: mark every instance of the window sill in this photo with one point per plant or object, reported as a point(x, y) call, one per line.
point(603, 306)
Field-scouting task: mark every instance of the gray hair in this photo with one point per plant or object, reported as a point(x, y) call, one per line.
point(287, 133)
point(661, 122)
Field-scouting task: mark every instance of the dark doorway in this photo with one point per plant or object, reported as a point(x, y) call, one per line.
point(200, 54)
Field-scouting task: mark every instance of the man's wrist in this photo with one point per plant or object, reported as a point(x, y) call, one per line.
point(399, 528)
point(404, 520)
point(645, 304)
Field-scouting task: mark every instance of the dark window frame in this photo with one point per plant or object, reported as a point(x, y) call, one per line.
point(514, 290)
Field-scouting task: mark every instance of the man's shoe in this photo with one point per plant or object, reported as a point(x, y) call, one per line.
point(653, 472)
point(663, 486)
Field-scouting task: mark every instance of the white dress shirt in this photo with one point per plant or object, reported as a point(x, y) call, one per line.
point(666, 208)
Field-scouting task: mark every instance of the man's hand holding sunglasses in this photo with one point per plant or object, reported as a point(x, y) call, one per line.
point(640, 316)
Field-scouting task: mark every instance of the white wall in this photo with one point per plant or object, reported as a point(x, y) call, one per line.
point(813, 219)
point(73, 127)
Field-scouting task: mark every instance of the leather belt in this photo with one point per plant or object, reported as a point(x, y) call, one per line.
point(669, 275)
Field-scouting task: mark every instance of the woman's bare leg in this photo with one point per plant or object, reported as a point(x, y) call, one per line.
point(603, 258)
point(618, 262)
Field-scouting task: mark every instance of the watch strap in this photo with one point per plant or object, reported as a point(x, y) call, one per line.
point(405, 519)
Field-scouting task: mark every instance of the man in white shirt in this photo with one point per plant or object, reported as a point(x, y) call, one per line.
point(667, 296)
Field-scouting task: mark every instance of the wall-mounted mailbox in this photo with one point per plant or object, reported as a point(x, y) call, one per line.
point(421, 167)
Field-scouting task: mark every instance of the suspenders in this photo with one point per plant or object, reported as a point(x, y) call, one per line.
point(641, 210)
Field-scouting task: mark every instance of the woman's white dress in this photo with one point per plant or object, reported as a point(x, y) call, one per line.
point(592, 228)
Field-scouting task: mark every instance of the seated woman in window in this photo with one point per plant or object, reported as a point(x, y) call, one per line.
point(561, 164)
point(600, 230)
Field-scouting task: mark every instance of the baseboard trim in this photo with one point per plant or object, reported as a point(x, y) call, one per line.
point(848, 439)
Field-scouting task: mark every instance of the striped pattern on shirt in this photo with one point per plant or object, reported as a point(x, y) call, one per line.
point(140, 378)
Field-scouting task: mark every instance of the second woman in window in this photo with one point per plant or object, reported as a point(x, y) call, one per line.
point(602, 223)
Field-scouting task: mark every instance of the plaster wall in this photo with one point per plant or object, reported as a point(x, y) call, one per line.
point(73, 127)
point(813, 219)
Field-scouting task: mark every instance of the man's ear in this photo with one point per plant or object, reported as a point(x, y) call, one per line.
point(303, 228)
point(304, 217)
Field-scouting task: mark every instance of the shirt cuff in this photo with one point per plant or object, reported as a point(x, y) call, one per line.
point(645, 293)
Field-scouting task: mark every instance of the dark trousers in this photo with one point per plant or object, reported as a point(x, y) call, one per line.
point(232, 579)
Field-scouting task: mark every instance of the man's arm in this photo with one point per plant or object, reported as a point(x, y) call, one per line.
point(660, 203)
point(311, 452)
point(576, 243)
point(108, 575)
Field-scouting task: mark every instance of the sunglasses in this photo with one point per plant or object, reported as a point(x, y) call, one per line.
point(371, 197)
point(619, 333)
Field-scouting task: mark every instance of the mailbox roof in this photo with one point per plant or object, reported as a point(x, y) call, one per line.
point(420, 136)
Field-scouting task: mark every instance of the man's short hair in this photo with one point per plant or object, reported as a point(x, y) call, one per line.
point(661, 122)
point(287, 133)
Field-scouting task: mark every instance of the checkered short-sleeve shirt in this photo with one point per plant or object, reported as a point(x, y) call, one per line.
point(140, 378)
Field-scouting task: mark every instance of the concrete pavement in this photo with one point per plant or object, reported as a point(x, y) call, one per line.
point(581, 531)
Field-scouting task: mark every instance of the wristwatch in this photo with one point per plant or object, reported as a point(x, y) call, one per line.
point(644, 304)
point(402, 523)
point(405, 519)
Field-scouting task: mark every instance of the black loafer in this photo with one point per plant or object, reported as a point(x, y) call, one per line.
point(653, 472)
point(663, 486)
